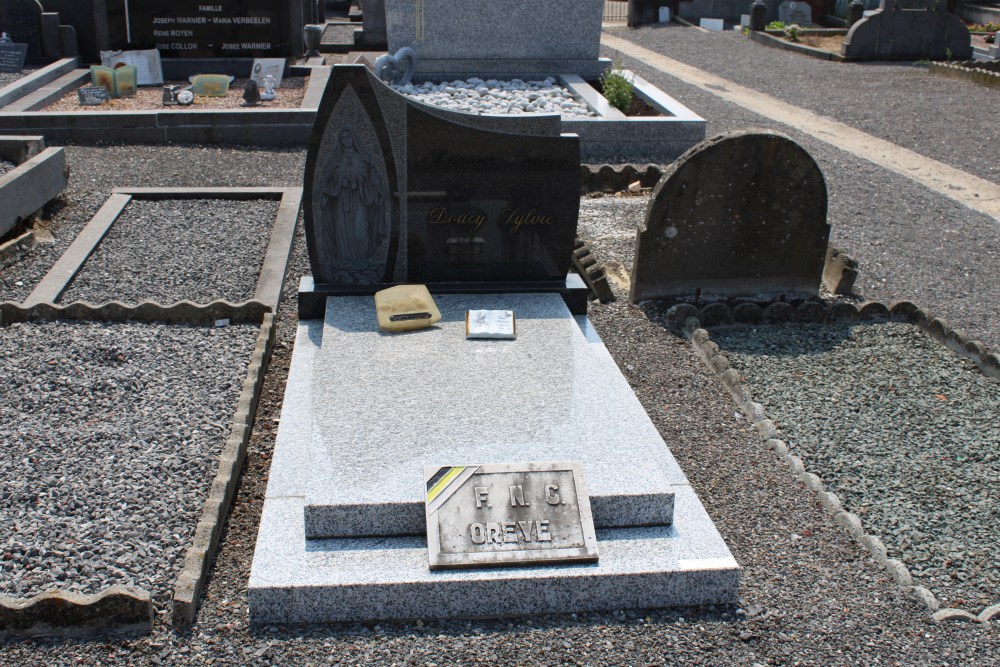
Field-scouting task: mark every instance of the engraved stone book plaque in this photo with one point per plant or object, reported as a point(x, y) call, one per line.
point(508, 514)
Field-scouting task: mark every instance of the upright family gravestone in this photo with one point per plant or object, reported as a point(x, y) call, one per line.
point(397, 191)
point(741, 214)
point(479, 37)
point(909, 29)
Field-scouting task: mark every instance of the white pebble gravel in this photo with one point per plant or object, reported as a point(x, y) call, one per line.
point(111, 434)
point(174, 249)
point(901, 429)
point(491, 96)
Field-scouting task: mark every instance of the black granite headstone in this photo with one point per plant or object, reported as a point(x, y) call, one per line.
point(400, 192)
point(22, 20)
point(211, 28)
point(12, 57)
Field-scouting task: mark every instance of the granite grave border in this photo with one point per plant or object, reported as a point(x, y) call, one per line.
point(690, 321)
point(251, 127)
point(40, 176)
point(269, 281)
point(37, 79)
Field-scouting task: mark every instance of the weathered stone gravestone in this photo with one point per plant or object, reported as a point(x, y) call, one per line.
point(741, 214)
point(397, 191)
point(498, 38)
point(797, 13)
point(909, 29)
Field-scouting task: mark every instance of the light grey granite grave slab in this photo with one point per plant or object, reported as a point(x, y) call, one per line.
point(433, 398)
point(295, 579)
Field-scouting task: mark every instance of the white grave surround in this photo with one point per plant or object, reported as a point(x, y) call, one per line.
point(342, 535)
point(715, 25)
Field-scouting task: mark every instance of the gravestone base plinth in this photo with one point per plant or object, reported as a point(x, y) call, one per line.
point(342, 534)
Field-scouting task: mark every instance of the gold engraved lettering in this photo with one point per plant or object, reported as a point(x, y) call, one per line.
point(514, 218)
point(440, 216)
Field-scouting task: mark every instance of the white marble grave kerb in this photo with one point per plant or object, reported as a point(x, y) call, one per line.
point(342, 532)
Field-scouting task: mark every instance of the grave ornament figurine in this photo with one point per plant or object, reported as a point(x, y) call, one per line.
point(397, 68)
point(268, 93)
point(356, 229)
point(5, 39)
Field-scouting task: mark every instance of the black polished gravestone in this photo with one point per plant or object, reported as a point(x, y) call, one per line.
point(22, 21)
point(400, 192)
point(211, 28)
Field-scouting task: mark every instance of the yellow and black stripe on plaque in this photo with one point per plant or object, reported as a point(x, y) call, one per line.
point(443, 482)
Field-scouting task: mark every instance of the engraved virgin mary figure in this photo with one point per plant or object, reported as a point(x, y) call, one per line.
point(355, 237)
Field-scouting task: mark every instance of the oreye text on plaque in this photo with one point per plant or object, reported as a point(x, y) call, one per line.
point(508, 514)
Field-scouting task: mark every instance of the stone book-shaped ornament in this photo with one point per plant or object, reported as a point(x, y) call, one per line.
point(398, 191)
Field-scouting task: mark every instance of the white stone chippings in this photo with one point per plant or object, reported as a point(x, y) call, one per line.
point(499, 97)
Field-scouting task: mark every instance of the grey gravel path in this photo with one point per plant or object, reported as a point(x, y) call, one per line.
point(111, 434)
point(945, 119)
point(174, 249)
point(911, 243)
point(903, 430)
point(95, 170)
point(7, 78)
point(6, 167)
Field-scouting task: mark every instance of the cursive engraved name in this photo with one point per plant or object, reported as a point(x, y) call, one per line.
point(440, 216)
point(514, 217)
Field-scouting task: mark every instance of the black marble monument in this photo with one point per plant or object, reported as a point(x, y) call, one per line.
point(400, 192)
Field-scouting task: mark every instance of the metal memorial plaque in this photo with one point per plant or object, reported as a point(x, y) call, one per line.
point(508, 514)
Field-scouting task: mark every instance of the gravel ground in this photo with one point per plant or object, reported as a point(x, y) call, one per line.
point(903, 430)
point(902, 103)
point(95, 170)
point(911, 243)
point(110, 432)
point(147, 255)
point(7, 78)
point(6, 167)
point(150, 98)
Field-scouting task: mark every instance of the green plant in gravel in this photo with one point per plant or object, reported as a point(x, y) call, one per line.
point(776, 25)
point(792, 32)
point(616, 86)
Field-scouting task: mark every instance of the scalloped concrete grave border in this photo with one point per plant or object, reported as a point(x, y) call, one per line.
point(22, 111)
point(688, 319)
point(982, 72)
point(118, 609)
point(40, 176)
point(272, 274)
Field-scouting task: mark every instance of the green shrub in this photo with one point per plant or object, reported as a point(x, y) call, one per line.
point(616, 87)
point(776, 25)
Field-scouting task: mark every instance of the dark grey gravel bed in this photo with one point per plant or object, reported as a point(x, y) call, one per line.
point(169, 250)
point(902, 429)
point(899, 102)
point(110, 436)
